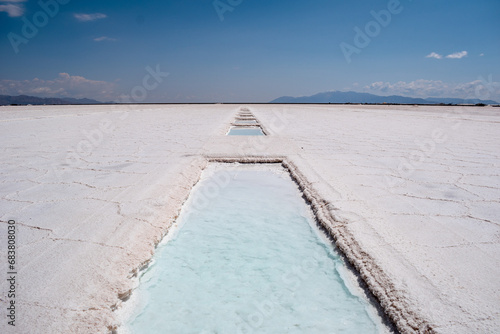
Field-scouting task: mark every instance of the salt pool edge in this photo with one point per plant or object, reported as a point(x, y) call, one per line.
point(391, 301)
point(349, 278)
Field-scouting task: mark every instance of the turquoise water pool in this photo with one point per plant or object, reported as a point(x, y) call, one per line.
point(245, 256)
point(245, 131)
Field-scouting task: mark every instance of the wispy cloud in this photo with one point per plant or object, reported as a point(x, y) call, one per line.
point(13, 8)
point(89, 17)
point(457, 55)
point(104, 39)
point(64, 85)
point(434, 55)
point(437, 88)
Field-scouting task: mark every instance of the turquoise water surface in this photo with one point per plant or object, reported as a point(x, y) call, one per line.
point(242, 131)
point(246, 257)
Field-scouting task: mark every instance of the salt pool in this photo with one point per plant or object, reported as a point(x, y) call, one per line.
point(245, 131)
point(245, 256)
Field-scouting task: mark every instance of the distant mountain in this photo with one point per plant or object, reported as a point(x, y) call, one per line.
point(459, 101)
point(81, 101)
point(26, 99)
point(355, 97)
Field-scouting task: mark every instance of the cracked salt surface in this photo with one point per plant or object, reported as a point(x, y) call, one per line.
point(246, 257)
point(429, 237)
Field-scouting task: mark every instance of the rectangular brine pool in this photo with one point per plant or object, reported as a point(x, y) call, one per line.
point(246, 256)
point(245, 131)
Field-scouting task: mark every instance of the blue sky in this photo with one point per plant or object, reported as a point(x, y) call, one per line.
point(249, 50)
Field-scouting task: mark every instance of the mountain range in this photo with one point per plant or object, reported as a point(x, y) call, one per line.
point(325, 97)
point(26, 99)
point(355, 97)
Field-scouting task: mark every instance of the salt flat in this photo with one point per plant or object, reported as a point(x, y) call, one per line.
point(93, 188)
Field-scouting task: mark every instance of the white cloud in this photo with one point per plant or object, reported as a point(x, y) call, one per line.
point(64, 85)
point(457, 55)
point(89, 17)
point(434, 55)
point(104, 39)
point(482, 54)
point(12, 7)
point(482, 89)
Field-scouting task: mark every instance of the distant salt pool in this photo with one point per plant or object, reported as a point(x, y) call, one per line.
point(246, 257)
point(245, 131)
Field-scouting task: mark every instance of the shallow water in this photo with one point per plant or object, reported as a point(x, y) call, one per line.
point(243, 131)
point(246, 257)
